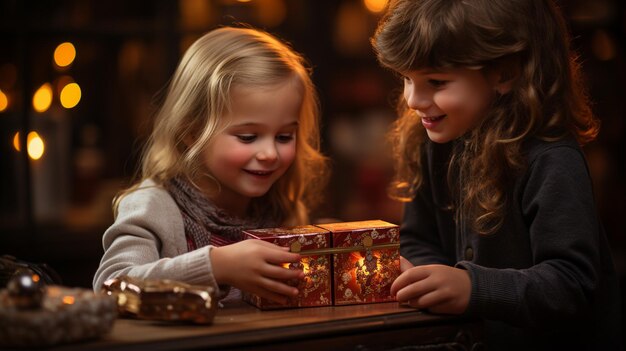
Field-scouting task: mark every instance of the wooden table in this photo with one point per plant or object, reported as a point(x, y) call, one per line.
point(239, 326)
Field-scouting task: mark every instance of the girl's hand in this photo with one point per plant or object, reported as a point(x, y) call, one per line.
point(255, 266)
point(438, 288)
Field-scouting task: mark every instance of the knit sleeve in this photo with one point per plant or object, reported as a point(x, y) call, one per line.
point(147, 241)
point(558, 208)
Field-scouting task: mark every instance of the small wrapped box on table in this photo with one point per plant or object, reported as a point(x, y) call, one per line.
point(366, 261)
point(344, 263)
point(315, 289)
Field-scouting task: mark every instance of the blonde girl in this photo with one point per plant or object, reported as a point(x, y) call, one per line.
point(235, 145)
point(500, 221)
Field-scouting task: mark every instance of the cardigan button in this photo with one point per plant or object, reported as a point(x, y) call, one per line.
point(469, 253)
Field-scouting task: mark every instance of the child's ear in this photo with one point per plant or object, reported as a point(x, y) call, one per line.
point(505, 74)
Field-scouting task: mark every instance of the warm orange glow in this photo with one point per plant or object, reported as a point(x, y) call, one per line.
point(271, 13)
point(68, 300)
point(35, 146)
point(35, 277)
point(64, 54)
point(16, 141)
point(362, 267)
point(70, 95)
point(195, 14)
point(42, 98)
point(4, 101)
point(375, 6)
point(305, 265)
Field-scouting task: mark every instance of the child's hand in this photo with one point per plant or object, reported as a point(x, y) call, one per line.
point(438, 288)
point(254, 266)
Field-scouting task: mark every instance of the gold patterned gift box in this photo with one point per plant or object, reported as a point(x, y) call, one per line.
point(366, 261)
point(315, 288)
point(344, 263)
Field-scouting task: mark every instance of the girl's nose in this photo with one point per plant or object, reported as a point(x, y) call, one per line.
point(416, 99)
point(268, 151)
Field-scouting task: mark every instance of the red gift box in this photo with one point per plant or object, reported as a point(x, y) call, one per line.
point(360, 259)
point(366, 261)
point(315, 288)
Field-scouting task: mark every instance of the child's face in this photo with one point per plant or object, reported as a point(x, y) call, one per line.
point(258, 145)
point(449, 102)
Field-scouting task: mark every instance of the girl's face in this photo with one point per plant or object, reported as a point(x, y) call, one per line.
point(257, 146)
point(449, 102)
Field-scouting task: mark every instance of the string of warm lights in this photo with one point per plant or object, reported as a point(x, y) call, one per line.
point(68, 92)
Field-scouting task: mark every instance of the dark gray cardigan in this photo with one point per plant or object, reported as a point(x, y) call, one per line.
point(545, 280)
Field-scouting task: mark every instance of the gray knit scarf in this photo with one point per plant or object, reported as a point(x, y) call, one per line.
point(205, 224)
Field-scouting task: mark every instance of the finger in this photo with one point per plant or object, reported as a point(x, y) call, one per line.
point(274, 253)
point(279, 257)
point(429, 301)
point(410, 276)
point(271, 245)
point(281, 273)
point(414, 290)
point(278, 287)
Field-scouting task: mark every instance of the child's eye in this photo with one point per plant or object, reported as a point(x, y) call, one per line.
point(437, 83)
point(285, 138)
point(246, 138)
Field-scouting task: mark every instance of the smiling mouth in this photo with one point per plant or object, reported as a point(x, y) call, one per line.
point(433, 119)
point(259, 173)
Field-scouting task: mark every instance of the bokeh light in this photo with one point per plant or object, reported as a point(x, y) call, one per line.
point(4, 101)
point(43, 98)
point(64, 54)
point(70, 95)
point(375, 6)
point(36, 146)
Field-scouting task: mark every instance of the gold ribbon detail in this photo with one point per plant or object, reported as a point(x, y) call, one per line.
point(338, 250)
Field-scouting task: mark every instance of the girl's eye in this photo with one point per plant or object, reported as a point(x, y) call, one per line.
point(437, 83)
point(246, 138)
point(284, 138)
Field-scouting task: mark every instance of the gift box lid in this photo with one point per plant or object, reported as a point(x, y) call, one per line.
point(357, 225)
point(297, 238)
point(374, 234)
point(267, 233)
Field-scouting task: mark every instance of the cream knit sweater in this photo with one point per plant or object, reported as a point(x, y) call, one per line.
point(147, 241)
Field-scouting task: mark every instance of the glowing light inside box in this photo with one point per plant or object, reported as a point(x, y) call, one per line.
point(304, 265)
point(364, 267)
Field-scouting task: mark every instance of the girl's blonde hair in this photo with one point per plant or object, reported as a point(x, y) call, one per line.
point(527, 41)
point(198, 97)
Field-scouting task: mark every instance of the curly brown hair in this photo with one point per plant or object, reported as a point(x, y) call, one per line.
point(528, 40)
